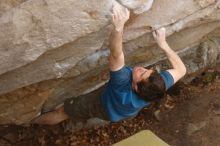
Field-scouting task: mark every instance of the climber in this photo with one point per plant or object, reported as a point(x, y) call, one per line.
point(128, 89)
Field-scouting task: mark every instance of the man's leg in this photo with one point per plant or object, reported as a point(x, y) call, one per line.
point(51, 118)
point(79, 108)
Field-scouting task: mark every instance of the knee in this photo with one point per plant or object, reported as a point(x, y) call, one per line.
point(61, 114)
point(60, 110)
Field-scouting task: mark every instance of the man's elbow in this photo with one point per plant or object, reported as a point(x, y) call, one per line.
point(116, 56)
point(183, 71)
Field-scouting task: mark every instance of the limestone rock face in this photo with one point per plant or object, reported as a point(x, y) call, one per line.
point(51, 50)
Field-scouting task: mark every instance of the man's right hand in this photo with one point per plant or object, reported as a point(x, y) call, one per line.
point(120, 16)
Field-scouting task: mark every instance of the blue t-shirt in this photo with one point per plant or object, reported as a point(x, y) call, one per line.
point(119, 99)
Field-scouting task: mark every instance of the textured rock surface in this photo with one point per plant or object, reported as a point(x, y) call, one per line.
point(51, 50)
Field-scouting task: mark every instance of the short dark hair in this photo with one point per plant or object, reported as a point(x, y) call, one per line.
point(153, 88)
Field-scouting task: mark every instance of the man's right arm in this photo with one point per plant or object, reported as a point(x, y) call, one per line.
point(179, 69)
point(116, 57)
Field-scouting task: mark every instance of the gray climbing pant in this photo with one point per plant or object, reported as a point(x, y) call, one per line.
point(86, 106)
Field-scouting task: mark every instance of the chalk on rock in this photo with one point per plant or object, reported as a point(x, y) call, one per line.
point(138, 6)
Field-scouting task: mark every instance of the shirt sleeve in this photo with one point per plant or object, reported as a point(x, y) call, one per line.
point(168, 79)
point(121, 77)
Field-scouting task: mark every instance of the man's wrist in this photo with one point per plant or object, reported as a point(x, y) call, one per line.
point(119, 28)
point(117, 31)
point(164, 45)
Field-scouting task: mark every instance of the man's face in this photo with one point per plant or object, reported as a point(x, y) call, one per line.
point(139, 74)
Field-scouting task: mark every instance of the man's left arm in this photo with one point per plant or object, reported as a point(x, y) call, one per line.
point(178, 69)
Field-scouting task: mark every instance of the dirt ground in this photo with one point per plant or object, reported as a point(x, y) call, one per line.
point(189, 116)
